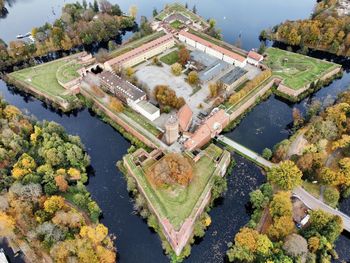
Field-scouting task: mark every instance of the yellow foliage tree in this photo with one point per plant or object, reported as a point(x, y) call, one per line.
point(96, 235)
point(25, 165)
point(74, 174)
point(53, 204)
point(11, 111)
point(7, 225)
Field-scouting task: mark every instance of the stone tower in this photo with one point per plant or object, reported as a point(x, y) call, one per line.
point(171, 130)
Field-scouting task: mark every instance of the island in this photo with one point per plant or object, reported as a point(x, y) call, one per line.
point(172, 91)
point(326, 30)
point(46, 211)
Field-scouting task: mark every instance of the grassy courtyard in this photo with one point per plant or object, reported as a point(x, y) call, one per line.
point(178, 8)
point(170, 58)
point(176, 24)
point(176, 203)
point(295, 69)
point(68, 72)
point(43, 78)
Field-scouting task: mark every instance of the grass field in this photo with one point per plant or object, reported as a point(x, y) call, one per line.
point(142, 121)
point(176, 24)
point(68, 72)
point(176, 202)
point(43, 78)
point(170, 58)
point(178, 8)
point(297, 70)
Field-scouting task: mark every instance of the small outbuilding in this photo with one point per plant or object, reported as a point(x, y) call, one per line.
point(254, 58)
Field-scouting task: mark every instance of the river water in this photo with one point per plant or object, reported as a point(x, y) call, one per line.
point(264, 126)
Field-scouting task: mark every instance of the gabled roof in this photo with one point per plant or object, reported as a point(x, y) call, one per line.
point(213, 46)
point(140, 50)
point(255, 56)
point(185, 116)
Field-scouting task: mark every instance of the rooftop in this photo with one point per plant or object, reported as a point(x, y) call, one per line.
point(185, 115)
point(213, 46)
point(147, 106)
point(122, 88)
point(255, 56)
point(140, 50)
point(214, 123)
point(233, 75)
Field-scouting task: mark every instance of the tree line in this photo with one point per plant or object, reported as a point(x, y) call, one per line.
point(326, 30)
point(79, 24)
point(43, 199)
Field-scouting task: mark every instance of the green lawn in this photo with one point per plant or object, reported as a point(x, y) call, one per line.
point(296, 70)
point(68, 72)
point(142, 121)
point(170, 58)
point(314, 189)
point(43, 78)
point(176, 202)
point(176, 24)
point(178, 8)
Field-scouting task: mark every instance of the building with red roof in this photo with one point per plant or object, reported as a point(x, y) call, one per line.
point(142, 53)
point(185, 116)
point(212, 49)
point(254, 58)
point(210, 128)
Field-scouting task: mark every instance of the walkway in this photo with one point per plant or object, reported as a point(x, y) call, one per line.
point(309, 200)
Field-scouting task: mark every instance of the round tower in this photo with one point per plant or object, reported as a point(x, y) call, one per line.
point(171, 130)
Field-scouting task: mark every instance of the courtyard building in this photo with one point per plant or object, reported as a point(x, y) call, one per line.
point(171, 130)
point(211, 127)
point(232, 79)
point(254, 58)
point(212, 49)
point(141, 54)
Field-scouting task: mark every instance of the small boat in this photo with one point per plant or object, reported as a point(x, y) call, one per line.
point(23, 36)
point(3, 258)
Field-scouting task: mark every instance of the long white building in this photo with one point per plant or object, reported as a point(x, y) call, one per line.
point(142, 53)
point(212, 49)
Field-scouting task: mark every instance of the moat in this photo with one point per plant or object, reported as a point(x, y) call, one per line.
point(266, 125)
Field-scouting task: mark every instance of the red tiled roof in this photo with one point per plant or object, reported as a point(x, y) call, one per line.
point(185, 116)
point(255, 56)
point(203, 134)
point(140, 50)
point(213, 46)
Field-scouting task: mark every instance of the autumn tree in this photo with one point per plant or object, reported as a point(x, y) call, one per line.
point(53, 204)
point(281, 205)
point(167, 97)
point(116, 104)
point(184, 56)
point(286, 175)
point(281, 227)
point(133, 11)
point(172, 168)
point(193, 78)
point(7, 225)
point(176, 69)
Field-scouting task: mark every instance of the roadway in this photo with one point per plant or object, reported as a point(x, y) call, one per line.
point(309, 200)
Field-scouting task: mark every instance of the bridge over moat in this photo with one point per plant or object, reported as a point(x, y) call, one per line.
point(308, 199)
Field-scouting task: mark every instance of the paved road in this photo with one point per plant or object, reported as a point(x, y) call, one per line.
point(309, 200)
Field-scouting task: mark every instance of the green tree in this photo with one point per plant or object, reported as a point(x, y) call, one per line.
point(281, 205)
point(267, 154)
point(286, 175)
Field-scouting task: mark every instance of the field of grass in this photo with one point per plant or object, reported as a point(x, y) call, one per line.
point(314, 189)
point(170, 58)
point(297, 70)
point(178, 8)
point(142, 121)
point(43, 78)
point(176, 24)
point(68, 72)
point(176, 202)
